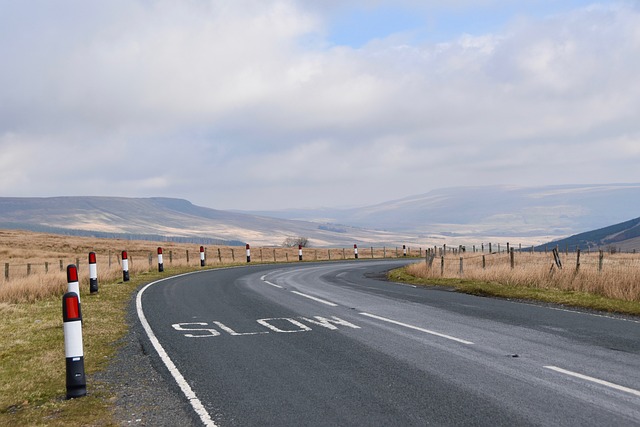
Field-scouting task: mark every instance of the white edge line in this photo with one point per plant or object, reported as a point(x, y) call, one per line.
point(427, 331)
point(315, 299)
point(595, 380)
point(182, 383)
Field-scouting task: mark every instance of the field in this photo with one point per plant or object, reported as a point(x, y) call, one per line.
point(601, 281)
point(35, 263)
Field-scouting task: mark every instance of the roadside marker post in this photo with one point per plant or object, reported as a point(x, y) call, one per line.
point(160, 263)
point(248, 253)
point(125, 266)
point(73, 285)
point(355, 251)
point(201, 256)
point(299, 252)
point(73, 349)
point(93, 273)
point(404, 250)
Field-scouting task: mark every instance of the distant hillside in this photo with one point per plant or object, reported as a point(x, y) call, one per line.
point(170, 219)
point(539, 213)
point(624, 236)
point(470, 215)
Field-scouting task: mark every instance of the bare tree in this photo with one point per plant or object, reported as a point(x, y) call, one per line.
point(292, 242)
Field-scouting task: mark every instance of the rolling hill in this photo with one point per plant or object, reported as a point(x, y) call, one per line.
point(533, 214)
point(526, 215)
point(169, 219)
point(622, 237)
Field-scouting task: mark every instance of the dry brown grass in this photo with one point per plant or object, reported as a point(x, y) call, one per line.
point(619, 278)
point(37, 261)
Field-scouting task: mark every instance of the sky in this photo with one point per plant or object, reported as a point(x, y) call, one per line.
point(276, 104)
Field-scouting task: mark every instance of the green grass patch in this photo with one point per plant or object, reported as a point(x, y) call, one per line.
point(549, 295)
point(32, 359)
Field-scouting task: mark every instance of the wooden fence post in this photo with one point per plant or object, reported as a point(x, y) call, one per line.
point(556, 258)
point(61, 267)
point(187, 256)
point(219, 256)
point(442, 266)
point(233, 255)
point(512, 256)
point(577, 260)
point(600, 260)
point(484, 262)
point(170, 257)
point(274, 255)
point(46, 266)
point(461, 272)
point(6, 271)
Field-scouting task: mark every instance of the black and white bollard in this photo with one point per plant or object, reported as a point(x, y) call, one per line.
point(201, 256)
point(355, 251)
point(248, 253)
point(73, 350)
point(404, 250)
point(160, 263)
point(125, 266)
point(299, 252)
point(93, 273)
point(73, 285)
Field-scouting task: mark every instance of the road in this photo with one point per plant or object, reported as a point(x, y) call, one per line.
point(333, 344)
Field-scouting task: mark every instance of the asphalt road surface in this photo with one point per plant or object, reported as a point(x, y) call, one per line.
point(334, 344)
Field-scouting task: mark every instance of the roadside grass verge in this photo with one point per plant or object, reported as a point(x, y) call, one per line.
point(32, 359)
point(496, 288)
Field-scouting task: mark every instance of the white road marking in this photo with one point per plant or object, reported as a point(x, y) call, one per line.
point(234, 333)
point(595, 380)
point(589, 314)
point(315, 299)
point(182, 383)
point(329, 323)
point(273, 284)
point(269, 283)
point(426, 331)
point(302, 327)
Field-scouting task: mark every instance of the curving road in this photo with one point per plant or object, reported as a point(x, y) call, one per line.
point(334, 344)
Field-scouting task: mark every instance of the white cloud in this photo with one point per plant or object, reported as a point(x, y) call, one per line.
point(156, 97)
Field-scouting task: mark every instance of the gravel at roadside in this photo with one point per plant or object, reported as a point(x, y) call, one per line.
point(144, 396)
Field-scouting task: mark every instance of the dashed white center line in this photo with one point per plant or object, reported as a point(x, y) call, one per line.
point(595, 380)
point(269, 283)
point(426, 331)
point(315, 299)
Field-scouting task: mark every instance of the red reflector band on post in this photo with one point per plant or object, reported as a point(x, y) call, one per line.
point(124, 255)
point(92, 257)
point(159, 251)
point(201, 248)
point(71, 307)
point(72, 273)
